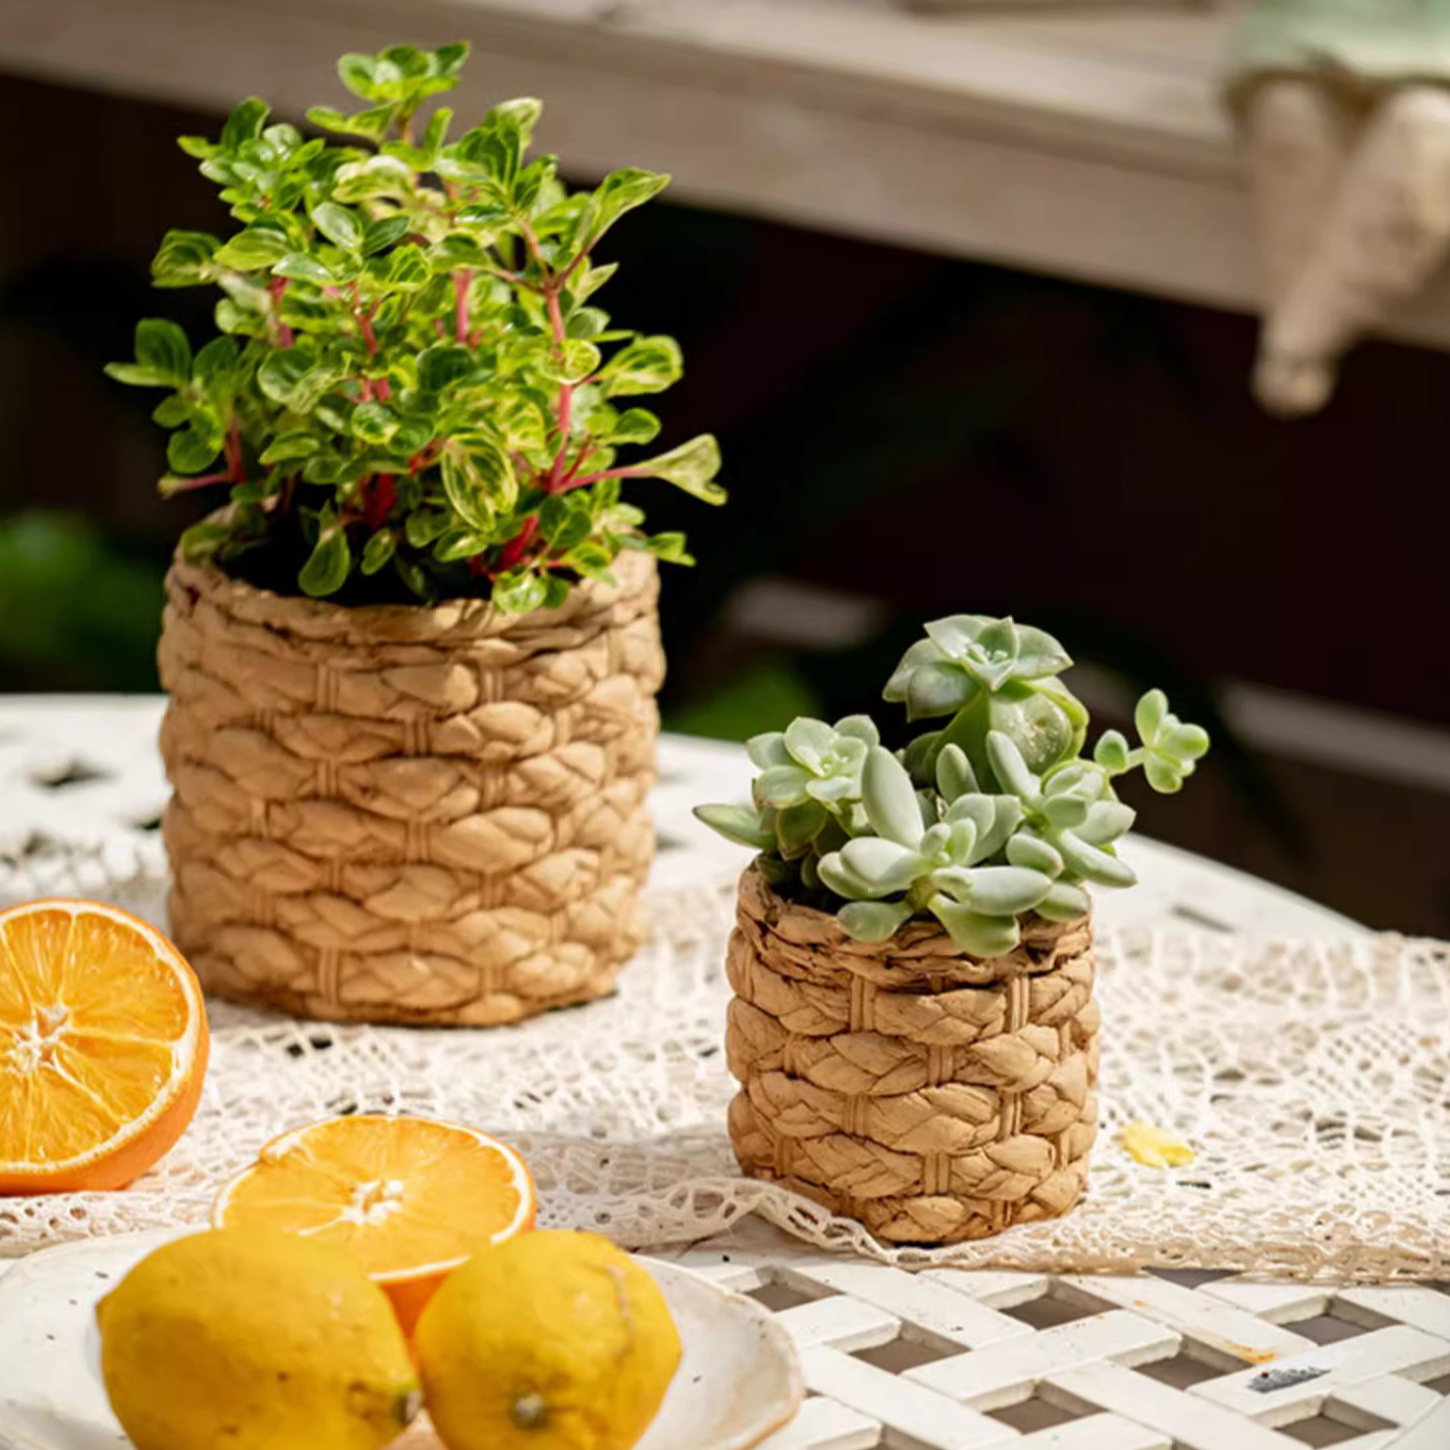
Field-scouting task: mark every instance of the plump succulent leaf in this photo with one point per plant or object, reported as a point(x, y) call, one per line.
point(797, 826)
point(740, 824)
point(873, 921)
point(781, 786)
point(768, 750)
point(890, 798)
point(954, 774)
point(975, 934)
point(1064, 902)
point(859, 727)
point(884, 865)
point(1032, 851)
point(807, 740)
point(842, 880)
point(1111, 751)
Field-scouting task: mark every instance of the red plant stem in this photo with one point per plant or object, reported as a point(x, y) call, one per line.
point(277, 286)
point(569, 270)
point(603, 473)
point(425, 457)
point(567, 481)
point(365, 390)
point(462, 280)
point(566, 391)
point(587, 451)
point(382, 493)
point(555, 476)
point(232, 473)
point(180, 485)
point(365, 322)
point(532, 242)
point(556, 318)
point(383, 388)
point(233, 454)
point(513, 551)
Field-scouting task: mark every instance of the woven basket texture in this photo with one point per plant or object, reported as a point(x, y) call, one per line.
point(932, 1096)
point(409, 814)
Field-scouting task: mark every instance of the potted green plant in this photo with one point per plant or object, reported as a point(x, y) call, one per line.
point(412, 659)
point(913, 1028)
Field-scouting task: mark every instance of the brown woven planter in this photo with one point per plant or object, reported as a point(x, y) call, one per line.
point(930, 1095)
point(409, 814)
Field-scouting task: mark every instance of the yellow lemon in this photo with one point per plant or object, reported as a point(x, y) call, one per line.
point(551, 1341)
point(257, 1341)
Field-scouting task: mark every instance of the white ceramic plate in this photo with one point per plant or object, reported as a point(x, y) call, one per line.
point(738, 1382)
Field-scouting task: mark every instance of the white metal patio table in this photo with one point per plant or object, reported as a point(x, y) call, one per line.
point(947, 1359)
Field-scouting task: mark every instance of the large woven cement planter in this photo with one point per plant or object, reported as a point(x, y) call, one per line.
point(409, 814)
point(932, 1096)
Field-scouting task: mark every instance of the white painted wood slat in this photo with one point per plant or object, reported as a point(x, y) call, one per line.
point(1001, 1288)
point(917, 1417)
point(1400, 1401)
point(1192, 1424)
point(988, 1379)
point(845, 1324)
point(826, 1425)
point(1214, 1331)
point(1275, 1302)
point(933, 1312)
point(1095, 1432)
point(1431, 1432)
point(1411, 1304)
point(1294, 1388)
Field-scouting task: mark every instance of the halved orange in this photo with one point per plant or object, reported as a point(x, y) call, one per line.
point(410, 1198)
point(103, 1046)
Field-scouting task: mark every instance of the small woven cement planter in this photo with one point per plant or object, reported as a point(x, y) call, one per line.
point(931, 1096)
point(409, 814)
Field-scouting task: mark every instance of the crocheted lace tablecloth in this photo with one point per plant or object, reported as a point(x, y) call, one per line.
point(1312, 1078)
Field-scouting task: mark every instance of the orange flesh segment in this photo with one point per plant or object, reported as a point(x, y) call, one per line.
point(91, 1027)
point(400, 1194)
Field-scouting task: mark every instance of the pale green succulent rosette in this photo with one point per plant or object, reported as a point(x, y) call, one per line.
point(1367, 45)
point(989, 674)
point(994, 816)
point(809, 772)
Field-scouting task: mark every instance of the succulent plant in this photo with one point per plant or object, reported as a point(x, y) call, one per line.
point(993, 816)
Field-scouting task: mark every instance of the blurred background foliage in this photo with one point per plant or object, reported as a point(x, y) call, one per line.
point(904, 436)
point(79, 607)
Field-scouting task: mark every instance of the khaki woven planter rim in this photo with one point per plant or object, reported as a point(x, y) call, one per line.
point(934, 1097)
point(420, 814)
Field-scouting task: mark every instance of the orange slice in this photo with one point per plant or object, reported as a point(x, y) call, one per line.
point(411, 1199)
point(103, 1046)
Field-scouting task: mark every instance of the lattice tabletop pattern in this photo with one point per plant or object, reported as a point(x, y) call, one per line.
point(950, 1359)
